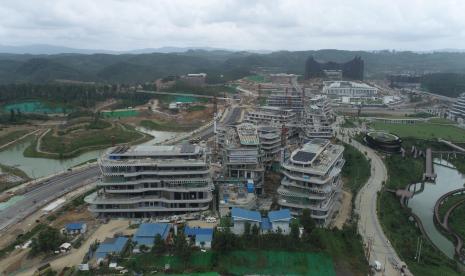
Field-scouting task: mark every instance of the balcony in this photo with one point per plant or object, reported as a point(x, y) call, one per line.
point(113, 199)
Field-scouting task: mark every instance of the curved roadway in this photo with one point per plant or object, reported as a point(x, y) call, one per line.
point(45, 192)
point(369, 226)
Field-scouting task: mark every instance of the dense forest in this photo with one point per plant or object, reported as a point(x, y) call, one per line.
point(447, 84)
point(220, 65)
point(71, 95)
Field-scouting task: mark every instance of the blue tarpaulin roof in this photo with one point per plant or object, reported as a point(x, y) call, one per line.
point(113, 246)
point(242, 214)
point(147, 232)
point(188, 231)
point(74, 226)
point(204, 238)
point(283, 214)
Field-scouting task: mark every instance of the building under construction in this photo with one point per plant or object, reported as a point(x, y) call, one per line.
point(152, 181)
point(311, 179)
point(241, 156)
point(317, 118)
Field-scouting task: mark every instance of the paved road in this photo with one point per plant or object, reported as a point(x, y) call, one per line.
point(44, 193)
point(365, 205)
point(231, 117)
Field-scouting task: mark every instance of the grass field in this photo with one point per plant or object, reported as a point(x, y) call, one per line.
point(4, 139)
point(256, 78)
point(72, 144)
point(241, 262)
point(448, 203)
point(402, 233)
point(423, 131)
point(457, 220)
point(441, 121)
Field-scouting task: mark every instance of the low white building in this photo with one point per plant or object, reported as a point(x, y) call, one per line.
point(241, 217)
point(75, 228)
point(280, 220)
point(349, 89)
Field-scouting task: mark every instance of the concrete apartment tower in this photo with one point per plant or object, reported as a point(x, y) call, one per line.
point(151, 181)
point(311, 180)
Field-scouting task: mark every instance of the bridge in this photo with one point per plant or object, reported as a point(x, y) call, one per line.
point(429, 174)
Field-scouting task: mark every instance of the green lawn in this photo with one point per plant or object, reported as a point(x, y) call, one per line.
point(441, 121)
point(448, 203)
point(423, 131)
point(4, 139)
point(72, 144)
point(256, 78)
point(457, 220)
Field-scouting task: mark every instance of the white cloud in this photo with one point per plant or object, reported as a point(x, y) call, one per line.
point(242, 24)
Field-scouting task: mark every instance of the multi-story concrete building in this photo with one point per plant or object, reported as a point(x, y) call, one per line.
point(270, 142)
point(311, 179)
point(349, 89)
point(458, 109)
point(287, 100)
point(242, 156)
point(270, 115)
point(148, 181)
point(317, 118)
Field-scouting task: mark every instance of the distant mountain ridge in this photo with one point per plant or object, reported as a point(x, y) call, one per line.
point(220, 65)
point(46, 49)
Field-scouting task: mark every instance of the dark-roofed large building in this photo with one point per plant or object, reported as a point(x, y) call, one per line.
point(351, 70)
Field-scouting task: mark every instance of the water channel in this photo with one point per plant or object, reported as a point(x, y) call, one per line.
point(39, 167)
point(422, 203)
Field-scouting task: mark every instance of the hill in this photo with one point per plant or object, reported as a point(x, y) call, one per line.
point(221, 65)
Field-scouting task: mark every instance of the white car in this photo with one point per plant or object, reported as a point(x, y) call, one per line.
point(211, 219)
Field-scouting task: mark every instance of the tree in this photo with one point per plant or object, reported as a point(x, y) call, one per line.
point(181, 247)
point(255, 230)
point(307, 221)
point(143, 248)
point(294, 231)
point(247, 229)
point(48, 240)
point(158, 245)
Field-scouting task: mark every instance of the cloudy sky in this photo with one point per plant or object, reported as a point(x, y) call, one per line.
point(241, 24)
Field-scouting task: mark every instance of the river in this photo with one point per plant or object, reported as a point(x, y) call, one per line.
point(422, 204)
point(40, 167)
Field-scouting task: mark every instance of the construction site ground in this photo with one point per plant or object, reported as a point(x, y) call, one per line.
point(345, 210)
